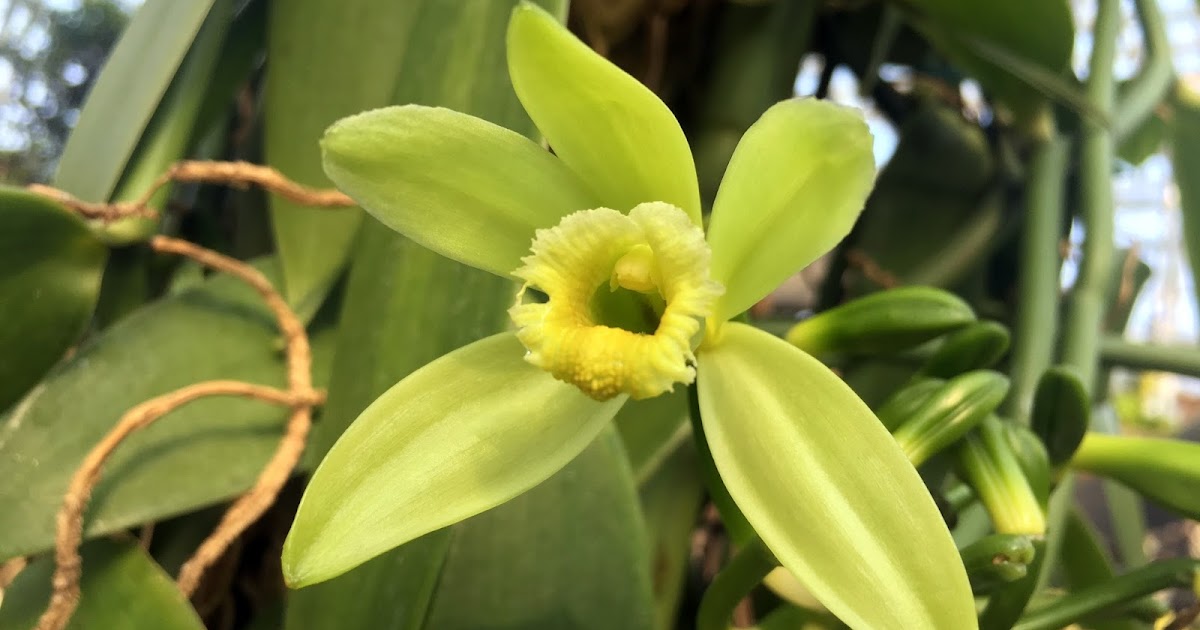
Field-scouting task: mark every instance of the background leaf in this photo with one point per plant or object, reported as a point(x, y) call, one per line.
point(122, 589)
point(126, 95)
point(219, 330)
point(1039, 32)
point(52, 266)
point(312, 44)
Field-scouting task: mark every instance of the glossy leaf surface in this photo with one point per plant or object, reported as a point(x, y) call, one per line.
point(121, 589)
point(52, 269)
point(219, 330)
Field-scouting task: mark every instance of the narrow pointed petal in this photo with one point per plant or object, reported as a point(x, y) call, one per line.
point(793, 189)
point(463, 434)
point(609, 128)
point(826, 487)
point(459, 185)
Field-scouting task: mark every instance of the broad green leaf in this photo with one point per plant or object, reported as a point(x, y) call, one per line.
point(217, 331)
point(328, 60)
point(977, 36)
point(652, 430)
point(126, 95)
point(609, 128)
point(826, 487)
point(671, 499)
point(463, 434)
point(1165, 471)
point(1185, 153)
point(793, 190)
point(463, 187)
point(121, 589)
point(169, 132)
point(52, 268)
point(549, 558)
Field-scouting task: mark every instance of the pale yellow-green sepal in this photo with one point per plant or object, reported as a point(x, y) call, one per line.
point(793, 189)
point(609, 128)
point(463, 434)
point(461, 186)
point(826, 488)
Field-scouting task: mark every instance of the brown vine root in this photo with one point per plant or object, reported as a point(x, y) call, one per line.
point(243, 173)
point(300, 396)
point(859, 259)
point(251, 505)
point(102, 211)
point(69, 521)
point(197, 171)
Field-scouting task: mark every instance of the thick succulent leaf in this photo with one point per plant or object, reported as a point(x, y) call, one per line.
point(826, 487)
point(1166, 471)
point(126, 95)
point(465, 433)
point(52, 268)
point(609, 128)
point(121, 588)
point(219, 330)
point(463, 187)
point(793, 190)
point(328, 60)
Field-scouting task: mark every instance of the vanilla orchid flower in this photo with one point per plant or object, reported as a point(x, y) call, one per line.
point(624, 297)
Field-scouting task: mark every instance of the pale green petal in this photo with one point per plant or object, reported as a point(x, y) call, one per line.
point(613, 131)
point(461, 186)
point(794, 188)
point(826, 487)
point(463, 434)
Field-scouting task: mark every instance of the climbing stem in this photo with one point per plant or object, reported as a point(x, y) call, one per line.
point(1037, 310)
point(749, 566)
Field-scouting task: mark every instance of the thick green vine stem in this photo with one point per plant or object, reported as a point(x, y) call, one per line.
point(1146, 90)
point(747, 569)
point(1085, 314)
point(1037, 310)
point(1115, 594)
point(1183, 360)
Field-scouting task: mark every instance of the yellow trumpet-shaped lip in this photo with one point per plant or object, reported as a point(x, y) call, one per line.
point(654, 250)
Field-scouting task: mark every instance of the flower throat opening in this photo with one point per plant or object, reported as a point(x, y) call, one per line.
point(626, 295)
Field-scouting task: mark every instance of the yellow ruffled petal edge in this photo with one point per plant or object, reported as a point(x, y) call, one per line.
point(655, 244)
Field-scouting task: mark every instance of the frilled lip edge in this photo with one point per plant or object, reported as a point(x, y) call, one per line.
point(572, 260)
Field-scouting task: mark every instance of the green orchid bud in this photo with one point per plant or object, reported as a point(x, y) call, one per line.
point(900, 406)
point(986, 461)
point(1061, 413)
point(1164, 470)
point(997, 559)
point(1031, 455)
point(949, 413)
point(882, 323)
point(977, 346)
